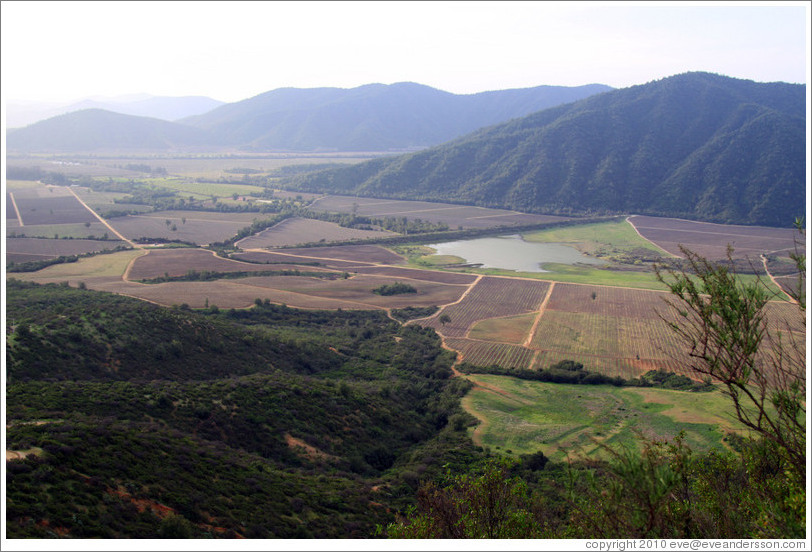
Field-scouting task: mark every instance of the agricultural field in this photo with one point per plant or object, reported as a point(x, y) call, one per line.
point(20, 250)
point(613, 331)
point(358, 290)
point(418, 274)
point(604, 239)
point(294, 256)
point(215, 167)
point(95, 272)
point(295, 291)
point(582, 274)
point(205, 190)
point(612, 345)
point(178, 262)
point(120, 273)
point(507, 329)
point(488, 298)
point(238, 294)
point(47, 205)
point(484, 353)
point(107, 202)
point(606, 319)
point(198, 227)
point(34, 210)
point(711, 240)
point(212, 166)
point(87, 230)
point(359, 254)
point(70, 165)
point(297, 230)
point(523, 417)
point(455, 216)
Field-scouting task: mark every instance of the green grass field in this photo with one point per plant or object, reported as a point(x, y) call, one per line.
point(508, 329)
point(111, 265)
point(584, 275)
point(12, 185)
point(204, 190)
point(521, 416)
point(606, 277)
point(596, 239)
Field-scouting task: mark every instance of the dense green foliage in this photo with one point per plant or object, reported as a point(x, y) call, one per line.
point(723, 324)
point(201, 413)
point(394, 289)
point(696, 145)
point(62, 333)
point(568, 371)
point(410, 313)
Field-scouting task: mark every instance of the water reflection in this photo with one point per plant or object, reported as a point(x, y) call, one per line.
point(513, 253)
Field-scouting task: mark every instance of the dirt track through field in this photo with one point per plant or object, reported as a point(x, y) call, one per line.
point(16, 210)
point(628, 219)
point(776, 284)
point(104, 222)
point(465, 293)
point(535, 326)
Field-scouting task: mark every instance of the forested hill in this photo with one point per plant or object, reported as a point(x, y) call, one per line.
point(96, 129)
point(168, 108)
point(695, 145)
point(147, 422)
point(373, 117)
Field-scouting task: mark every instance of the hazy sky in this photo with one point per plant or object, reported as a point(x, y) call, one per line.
point(232, 50)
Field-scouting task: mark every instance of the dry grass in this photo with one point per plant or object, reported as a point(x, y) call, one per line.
point(508, 329)
point(177, 262)
point(297, 231)
point(100, 268)
point(200, 227)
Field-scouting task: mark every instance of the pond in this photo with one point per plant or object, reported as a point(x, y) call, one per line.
point(513, 253)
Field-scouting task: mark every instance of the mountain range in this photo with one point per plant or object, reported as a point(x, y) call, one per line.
point(169, 108)
point(373, 117)
point(95, 129)
point(695, 145)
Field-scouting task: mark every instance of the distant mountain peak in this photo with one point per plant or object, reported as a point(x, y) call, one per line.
point(372, 117)
point(695, 145)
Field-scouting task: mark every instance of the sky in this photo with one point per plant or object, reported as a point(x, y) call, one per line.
point(63, 51)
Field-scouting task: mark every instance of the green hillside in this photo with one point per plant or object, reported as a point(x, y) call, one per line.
point(373, 117)
point(244, 423)
point(98, 129)
point(695, 145)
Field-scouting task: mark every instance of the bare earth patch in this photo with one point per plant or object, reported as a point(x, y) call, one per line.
point(308, 451)
point(21, 454)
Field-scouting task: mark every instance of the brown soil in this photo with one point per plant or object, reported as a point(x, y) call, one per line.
point(308, 451)
point(20, 454)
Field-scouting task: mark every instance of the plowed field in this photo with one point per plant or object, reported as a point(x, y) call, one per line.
point(297, 231)
point(711, 240)
point(177, 262)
